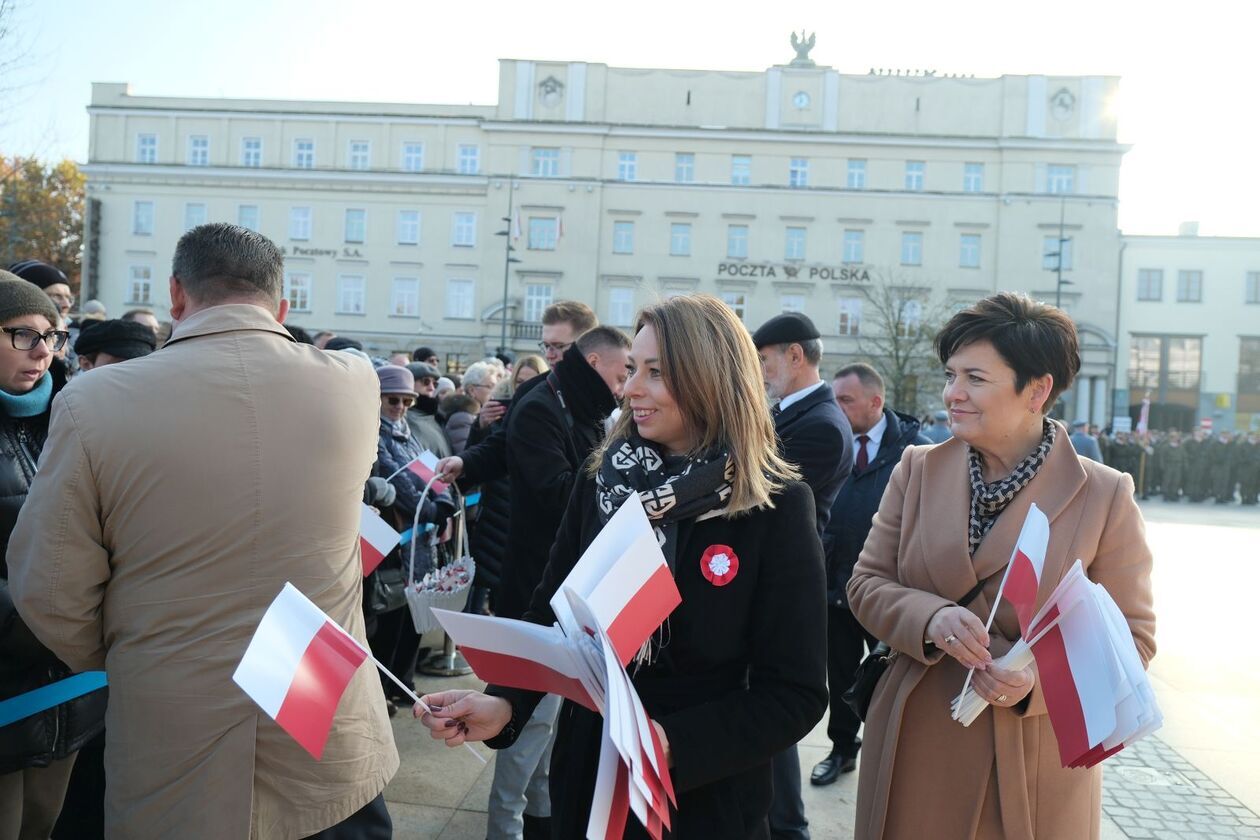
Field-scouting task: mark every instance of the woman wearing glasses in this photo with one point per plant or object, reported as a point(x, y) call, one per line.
point(37, 751)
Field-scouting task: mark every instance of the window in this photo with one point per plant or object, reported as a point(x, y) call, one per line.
point(408, 227)
point(146, 148)
point(459, 298)
point(684, 167)
point(464, 230)
point(1184, 361)
point(140, 287)
point(680, 239)
point(1060, 179)
point(969, 250)
point(142, 218)
point(627, 166)
point(737, 241)
point(356, 225)
point(468, 160)
point(544, 162)
point(1252, 291)
point(914, 175)
point(247, 216)
point(543, 233)
point(1050, 253)
point(798, 172)
point(404, 297)
point(360, 154)
point(351, 291)
point(909, 317)
point(791, 303)
point(741, 170)
point(194, 214)
point(620, 306)
point(300, 223)
point(736, 301)
point(1249, 367)
point(623, 237)
point(198, 150)
point(856, 178)
point(537, 298)
point(973, 177)
point(850, 315)
point(304, 154)
point(911, 248)
point(412, 157)
point(1144, 361)
point(1150, 284)
point(297, 291)
point(251, 152)
point(854, 246)
point(794, 244)
point(1190, 286)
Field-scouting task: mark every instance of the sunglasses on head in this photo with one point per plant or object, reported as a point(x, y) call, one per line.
point(403, 401)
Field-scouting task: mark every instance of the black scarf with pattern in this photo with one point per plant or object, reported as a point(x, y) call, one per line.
point(989, 500)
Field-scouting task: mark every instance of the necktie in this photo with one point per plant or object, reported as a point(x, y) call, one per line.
point(861, 460)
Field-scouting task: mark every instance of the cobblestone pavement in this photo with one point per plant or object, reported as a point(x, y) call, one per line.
point(1151, 791)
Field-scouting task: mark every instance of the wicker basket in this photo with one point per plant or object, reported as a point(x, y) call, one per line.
point(443, 585)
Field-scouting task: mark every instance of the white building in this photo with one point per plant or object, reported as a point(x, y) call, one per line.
point(1190, 330)
point(792, 188)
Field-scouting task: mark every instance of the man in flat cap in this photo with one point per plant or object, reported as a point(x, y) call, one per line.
point(815, 435)
point(103, 343)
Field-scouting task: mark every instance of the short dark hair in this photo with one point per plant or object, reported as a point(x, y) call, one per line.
point(581, 316)
point(1033, 338)
point(602, 338)
point(218, 261)
point(867, 375)
point(422, 354)
point(300, 335)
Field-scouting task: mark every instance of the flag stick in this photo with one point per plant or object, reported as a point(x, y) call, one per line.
point(416, 697)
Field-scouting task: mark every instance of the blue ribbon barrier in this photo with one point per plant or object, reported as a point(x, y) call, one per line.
point(45, 697)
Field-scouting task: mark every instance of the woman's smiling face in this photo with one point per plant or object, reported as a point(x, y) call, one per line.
point(656, 413)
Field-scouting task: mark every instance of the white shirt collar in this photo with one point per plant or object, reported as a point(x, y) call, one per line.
point(796, 397)
point(876, 434)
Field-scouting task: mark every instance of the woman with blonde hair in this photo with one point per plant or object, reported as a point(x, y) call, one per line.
point(731, 678)
point(526, 368)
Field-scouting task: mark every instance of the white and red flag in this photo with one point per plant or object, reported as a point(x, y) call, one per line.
point(1023, 574)
point(297, 666)
point(376, 539)
point(426, 467)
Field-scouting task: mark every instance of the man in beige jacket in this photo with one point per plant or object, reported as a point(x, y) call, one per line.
point(177, 495)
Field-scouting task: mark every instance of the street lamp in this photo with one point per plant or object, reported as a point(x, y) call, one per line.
point(1059, 282)
point(508, 259)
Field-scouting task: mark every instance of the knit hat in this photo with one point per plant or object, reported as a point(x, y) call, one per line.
point(122, 339)
point(419, 370)
point(341, 343)
point(396, 380)
point(19, 297)
point(40, 273)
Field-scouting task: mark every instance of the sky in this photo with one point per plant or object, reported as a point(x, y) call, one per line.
point(1188, 102)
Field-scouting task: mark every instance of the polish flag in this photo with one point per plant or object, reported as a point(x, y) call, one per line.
point(426, 467)
point(1023, 574)
point(297, 666)
point(376, 539)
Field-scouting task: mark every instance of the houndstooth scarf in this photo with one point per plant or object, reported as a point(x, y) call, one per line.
point(989, 500)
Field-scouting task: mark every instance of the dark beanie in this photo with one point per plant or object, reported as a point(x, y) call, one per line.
point(122, 339)
point(40, 273)
point(18, 298)
point(339, 343)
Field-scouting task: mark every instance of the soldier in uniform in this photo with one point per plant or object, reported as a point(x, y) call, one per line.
point(1124, 456)
point(1223, 468)
point(1196, 476)
point(1171, 457)
point(1249, 469)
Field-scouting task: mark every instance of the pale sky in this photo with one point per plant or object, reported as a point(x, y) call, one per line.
point(1188, 100)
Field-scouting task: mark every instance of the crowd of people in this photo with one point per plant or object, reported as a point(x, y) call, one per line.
point(155, 502)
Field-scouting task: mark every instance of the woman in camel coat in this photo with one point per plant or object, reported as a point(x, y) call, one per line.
point(948, 520)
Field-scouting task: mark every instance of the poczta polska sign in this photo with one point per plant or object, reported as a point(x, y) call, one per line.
point(776, 271)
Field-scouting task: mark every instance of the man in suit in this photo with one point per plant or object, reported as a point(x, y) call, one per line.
point(815, 435)
point(1084, 443)
point(882, 435)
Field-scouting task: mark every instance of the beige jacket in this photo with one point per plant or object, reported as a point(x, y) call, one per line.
point(176, 495)
point(922, 774)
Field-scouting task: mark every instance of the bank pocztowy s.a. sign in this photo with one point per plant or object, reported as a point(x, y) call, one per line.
point(783, 271)
point(342, 253)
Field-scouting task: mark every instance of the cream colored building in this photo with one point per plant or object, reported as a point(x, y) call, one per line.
point(792, 188)
point(1190, 330)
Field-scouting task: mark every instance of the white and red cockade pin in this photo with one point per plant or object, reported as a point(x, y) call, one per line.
point(719, 564)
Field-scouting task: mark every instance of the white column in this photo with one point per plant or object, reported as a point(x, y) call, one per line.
point(1098, 416)
point(1080, 410)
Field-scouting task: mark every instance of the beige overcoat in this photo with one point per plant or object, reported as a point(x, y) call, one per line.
point(922, 774)
point(176, 495)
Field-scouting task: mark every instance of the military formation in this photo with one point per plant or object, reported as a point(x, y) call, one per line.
point(1224, 467)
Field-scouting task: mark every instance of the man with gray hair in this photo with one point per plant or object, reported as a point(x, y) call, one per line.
point(156, 536)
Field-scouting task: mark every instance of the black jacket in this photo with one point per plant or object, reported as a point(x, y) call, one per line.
point(25, 664)
point(738, 681)
point(855, 505)
point(815, 435)
point(550, 433)
point(488, 537)
point(487, 459)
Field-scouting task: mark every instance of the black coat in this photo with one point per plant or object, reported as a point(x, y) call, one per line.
point(736, 682)
point(489, 520)
point(815, 435)
point(25, 664)
point(859, 498)
point(487, 459)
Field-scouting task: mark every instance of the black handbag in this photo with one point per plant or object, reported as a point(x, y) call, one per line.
point(385, 590)
point(858, 697)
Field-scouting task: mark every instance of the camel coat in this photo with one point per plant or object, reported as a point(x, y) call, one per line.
point(176, 495)
point(922, 774)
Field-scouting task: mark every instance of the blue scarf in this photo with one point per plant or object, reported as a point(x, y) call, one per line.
point(31, 404)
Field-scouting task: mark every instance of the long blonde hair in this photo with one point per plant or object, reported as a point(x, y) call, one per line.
point(711, 369)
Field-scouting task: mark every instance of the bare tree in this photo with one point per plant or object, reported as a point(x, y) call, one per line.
point(898, 324)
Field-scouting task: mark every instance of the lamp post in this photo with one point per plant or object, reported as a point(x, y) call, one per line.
point(508, 259)
point(1059, 282)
